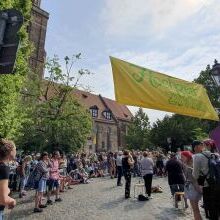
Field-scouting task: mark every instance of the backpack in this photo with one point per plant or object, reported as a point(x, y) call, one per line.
point(141, 198)
point(213, 175)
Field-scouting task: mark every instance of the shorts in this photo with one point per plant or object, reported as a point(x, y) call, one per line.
point(191, 193)
point(52, 183)
point(42, 185)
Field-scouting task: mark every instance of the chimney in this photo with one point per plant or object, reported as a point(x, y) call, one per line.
point(37, 3)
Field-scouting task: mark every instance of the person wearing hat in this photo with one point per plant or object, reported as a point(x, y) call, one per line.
point(191, 188)
point(119, 167)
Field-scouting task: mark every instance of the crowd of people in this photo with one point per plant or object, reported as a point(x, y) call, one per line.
point(52, 174)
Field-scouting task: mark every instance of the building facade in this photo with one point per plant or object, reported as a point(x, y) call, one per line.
point(110, 122)
point(110, 119)
point(37, 34)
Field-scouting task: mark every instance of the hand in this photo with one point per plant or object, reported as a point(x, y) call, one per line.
point(12, 204)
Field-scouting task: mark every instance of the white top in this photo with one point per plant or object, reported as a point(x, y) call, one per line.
point(119, 161)
point(147, 166)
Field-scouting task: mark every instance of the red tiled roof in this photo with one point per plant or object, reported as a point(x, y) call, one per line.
point(120, 111)
point(88, 100)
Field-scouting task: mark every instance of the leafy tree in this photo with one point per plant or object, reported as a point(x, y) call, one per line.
point(138, 131)
point(58, 120)
point(213, 93)
point(181, 129)
point(11, 116)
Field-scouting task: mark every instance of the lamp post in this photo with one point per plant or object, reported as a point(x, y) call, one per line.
point(215, 73)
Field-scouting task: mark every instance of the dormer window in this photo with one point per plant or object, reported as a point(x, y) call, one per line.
point(107, 115)
point(94, 111)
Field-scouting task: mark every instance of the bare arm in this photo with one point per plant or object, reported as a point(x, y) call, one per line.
point(5, 200)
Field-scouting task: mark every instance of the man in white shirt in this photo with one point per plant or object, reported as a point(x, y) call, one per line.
point(119, 168)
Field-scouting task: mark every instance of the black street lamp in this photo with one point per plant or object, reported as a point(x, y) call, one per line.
point(215, 73)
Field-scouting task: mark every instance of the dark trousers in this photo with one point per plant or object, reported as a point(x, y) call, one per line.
point(13, 182)
point(119, 173)
point(127, 184)
point(148, 183)
point(211, 199)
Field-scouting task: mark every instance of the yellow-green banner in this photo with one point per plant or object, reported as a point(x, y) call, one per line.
point(138, 86)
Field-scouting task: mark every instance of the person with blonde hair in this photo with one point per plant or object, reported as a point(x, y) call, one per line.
point(7, 153)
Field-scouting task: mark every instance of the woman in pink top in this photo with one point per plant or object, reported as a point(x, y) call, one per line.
point(54, 178)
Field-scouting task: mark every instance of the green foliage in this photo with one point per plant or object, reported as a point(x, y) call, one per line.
point(138, 131)
point(58, 120)
point(212, 89)
point(199, 134)
point(11, 116)
point(181, 129)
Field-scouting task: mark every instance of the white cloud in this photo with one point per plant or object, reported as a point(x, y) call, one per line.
point(186, 65)
point(129, 17)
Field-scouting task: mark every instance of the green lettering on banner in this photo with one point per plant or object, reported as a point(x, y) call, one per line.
point(180, 100)
point(138, 77)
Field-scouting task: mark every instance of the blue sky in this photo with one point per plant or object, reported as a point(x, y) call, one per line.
point(177, 37)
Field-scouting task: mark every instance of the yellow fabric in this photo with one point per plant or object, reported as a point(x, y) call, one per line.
point(138, 86)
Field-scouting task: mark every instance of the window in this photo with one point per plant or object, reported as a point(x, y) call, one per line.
point(107, 115)
point(94, 111)
point(103, 144)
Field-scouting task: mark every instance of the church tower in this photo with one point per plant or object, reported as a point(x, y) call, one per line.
point(37, 34)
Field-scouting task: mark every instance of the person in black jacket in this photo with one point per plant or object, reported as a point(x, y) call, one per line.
point(176, 179)
point(127, 165)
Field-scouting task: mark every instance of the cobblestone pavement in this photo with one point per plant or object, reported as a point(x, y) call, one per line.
point(103, 200)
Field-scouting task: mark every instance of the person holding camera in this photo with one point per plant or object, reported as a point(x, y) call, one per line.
point(7, 153)
point(127, 165)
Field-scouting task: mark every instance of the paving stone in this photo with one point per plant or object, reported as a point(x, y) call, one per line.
point(103, 200)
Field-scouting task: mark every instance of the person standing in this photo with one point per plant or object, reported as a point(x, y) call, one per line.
point(191, 188)
point(147, 167)
point(7, 153)
point(24, 174)
point(201, 172)
point(119, 168)
point(176, 179)
point(127, 165)
point(42, 175)
point(53, 181)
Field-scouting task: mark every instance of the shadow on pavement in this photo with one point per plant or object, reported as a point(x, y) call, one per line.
point(171, 213)
point(112, 204)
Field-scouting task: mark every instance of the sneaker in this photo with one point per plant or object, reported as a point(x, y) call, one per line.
point(38, 210)
point(58, 200)
point(150, 197)
point(49, 202)
point(42, 206)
